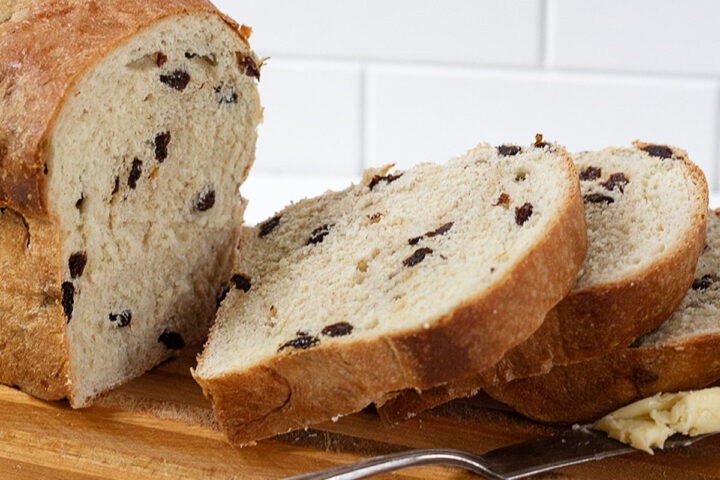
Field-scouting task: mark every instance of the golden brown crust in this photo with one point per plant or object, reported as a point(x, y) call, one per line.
point(587, 323)
point(586, 391)
point(35, 76)
point(44, 48)
point(277, 397)
point(33, 352)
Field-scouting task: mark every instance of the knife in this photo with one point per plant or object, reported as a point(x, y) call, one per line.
point(578, 445)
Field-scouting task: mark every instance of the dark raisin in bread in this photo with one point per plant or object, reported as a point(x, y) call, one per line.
point(646, 211)
point(682, 354)
point(409, 279)
point(126, 128)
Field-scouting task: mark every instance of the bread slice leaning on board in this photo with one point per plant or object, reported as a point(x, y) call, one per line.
point(126, 128)
point(405, 280)
point(646, 209)
point(680, 355)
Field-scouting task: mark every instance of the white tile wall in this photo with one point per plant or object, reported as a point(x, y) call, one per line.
point(427, 115)
point(679, 37)
point(312, 117)
point(473, 31)
point(355, 83)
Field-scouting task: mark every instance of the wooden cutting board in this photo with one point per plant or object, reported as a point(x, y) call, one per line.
point(160, 426)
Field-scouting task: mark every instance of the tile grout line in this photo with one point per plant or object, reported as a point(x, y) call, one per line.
point(480, 68)
point(363, 130)
point(543, 32)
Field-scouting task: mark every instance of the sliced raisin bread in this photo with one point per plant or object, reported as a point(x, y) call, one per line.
point(126, 129)
point(646, 211)
point(680, 355)
point(408, 279)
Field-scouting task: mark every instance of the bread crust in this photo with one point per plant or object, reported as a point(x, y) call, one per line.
point(276, 397)
point(586, 391)
point(33, 348)
point(36, 75)
point(615, 313)
point(45, 47)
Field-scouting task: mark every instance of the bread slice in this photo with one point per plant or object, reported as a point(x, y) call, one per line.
point(646, 211)
point(408, 279)
point(126, 129)
point(680, 355)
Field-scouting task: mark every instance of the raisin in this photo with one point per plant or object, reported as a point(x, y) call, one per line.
point(204, 201)
point(162, 140)
point(123, 318)
point(616, 180)
point(226, 93)
point(135, 173)
point(662, 151)
point(45, 168)
point(442, 230)
point(387, 178)
point(248, 65)
point(338, 329)
point(117, 185)
point(172, 340)
point(269, 226)
point(503, 200)
point(77, 264)
point(599, 198)
point(591, 173)
point(417, 256)
point(416, 240)
point(522, 214)
point(190, 55)
point(539, 141)
point(178, 80)
point(702, 283)
point(375, 217)
point(300, 342)
point(241, 282)
point(160, 59)
point(80, 201)
point(319, 234)
point(508, 150)
point(68, 299)
point(434, 233)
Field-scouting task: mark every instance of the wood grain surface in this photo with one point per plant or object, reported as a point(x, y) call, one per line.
point(160, 426)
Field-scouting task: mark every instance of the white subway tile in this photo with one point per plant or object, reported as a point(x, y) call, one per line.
point(312, 120)
point(637, 35)
point(417, 115)
point(479, 31)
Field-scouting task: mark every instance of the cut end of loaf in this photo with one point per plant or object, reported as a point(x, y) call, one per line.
point(143, 166)
point(680, 355)
point(401, 281)
point(641, 204)
point(645, 210)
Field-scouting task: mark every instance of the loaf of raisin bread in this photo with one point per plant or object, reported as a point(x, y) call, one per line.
point(682, 354)
point(408, 279)
point(126, 128)
point(646, 211)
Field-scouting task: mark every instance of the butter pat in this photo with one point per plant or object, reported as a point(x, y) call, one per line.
point(648, 423)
